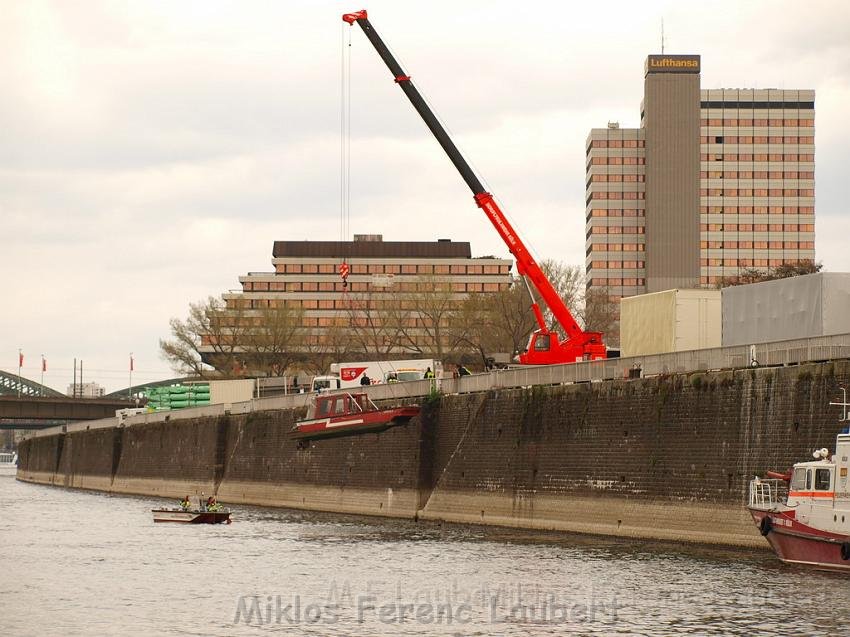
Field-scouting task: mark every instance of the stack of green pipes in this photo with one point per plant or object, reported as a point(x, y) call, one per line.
point(178, 396)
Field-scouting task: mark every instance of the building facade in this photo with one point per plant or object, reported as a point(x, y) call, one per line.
point(714, 182)
point(85, 390)
point(391, 302)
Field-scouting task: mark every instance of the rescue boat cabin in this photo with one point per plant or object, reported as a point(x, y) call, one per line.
point(819, 492)
point(328, 405)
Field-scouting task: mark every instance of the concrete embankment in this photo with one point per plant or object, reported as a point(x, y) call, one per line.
point(666, 458)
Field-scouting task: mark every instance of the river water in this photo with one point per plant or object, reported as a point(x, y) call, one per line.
point(85, 563)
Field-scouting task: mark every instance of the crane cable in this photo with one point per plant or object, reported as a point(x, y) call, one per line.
point(345, 151)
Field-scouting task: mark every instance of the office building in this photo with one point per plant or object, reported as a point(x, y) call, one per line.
point(388, 305)
point(713, 183)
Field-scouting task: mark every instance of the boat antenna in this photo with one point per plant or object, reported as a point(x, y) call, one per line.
point(844, 405)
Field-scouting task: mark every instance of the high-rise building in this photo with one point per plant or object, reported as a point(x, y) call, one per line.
point(714, 182)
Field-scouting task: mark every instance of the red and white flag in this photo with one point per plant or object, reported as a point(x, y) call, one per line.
point(43, 364)
point(20, 359)
point(131, 363)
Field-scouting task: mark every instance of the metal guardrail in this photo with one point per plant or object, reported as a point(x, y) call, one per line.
point(768, 493)
point(792, 352)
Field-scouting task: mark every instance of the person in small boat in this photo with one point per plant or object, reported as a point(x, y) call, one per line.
point(212, 504)
point(392, 377)
point(184, 504)
point(429, 373)
point(365, 380)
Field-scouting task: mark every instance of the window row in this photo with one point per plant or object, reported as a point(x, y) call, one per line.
point(802, 123)
point(741, 263)
point(627, 196)
point(758, 210)
point(757, 156)
point(356, 286)
point(617, 265)
point(617, 178)
point(756, 192)
point(617, 212)
point(616, 281)
point(757, 227)
point(392, 268)
point(758, 245)
point(617, 230)
point(618, 161)
point(757, 174)
point(757, 139)
point(617, 143)
point(617, 247)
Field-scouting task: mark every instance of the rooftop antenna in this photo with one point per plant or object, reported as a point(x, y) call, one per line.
point(662, 36)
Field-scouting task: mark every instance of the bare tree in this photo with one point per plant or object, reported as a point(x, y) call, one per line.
point(375, 320)
point(275, 340)
point(568, 281)
point(207, 343)
point(602, 314)
point(497, 322)
point(429, 307)
point(333, 346)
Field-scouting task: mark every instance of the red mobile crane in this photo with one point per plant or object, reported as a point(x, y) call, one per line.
point(545, 347)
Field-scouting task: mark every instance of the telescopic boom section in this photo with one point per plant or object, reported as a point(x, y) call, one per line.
point(545, 347)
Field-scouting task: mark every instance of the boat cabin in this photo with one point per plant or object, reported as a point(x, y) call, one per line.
point(818, 491)
point(329, 405)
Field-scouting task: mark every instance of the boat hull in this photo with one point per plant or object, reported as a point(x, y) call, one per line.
point(798, 543)
point(179, 516)
point(351, 424)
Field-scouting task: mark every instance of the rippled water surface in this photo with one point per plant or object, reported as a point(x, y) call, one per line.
point(83, 563)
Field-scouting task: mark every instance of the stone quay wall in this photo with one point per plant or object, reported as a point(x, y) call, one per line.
point(668, 457)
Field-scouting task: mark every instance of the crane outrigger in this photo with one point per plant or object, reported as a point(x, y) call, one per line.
point(545, 346)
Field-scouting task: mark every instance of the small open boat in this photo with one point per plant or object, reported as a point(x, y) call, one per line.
point(195, 516)
point(345, 414)
point(215, 514)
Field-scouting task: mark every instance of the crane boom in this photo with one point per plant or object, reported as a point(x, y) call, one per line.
point(545, 346)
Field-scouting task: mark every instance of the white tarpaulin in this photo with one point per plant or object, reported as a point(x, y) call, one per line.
point(796, 307)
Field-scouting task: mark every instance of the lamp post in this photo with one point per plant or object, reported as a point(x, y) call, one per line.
point(20, 364)
point(130, 388)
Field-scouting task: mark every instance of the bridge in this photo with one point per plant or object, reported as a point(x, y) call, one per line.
point(28, 405)
point(57, 408)
point(14, 385)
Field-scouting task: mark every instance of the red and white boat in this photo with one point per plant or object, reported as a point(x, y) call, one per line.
point(345, 414)
point(805, 514)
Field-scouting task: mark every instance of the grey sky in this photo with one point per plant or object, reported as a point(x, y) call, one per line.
point(152, 151)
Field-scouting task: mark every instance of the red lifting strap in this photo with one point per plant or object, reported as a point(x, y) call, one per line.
point(402, 78)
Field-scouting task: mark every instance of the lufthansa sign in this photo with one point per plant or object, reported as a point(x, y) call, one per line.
point(672, 64)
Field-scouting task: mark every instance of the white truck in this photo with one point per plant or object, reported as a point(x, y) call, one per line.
point(348, 375)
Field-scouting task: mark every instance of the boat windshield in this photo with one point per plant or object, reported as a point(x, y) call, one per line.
point(798, 482)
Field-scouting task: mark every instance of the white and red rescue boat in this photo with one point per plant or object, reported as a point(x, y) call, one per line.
point(805, 514)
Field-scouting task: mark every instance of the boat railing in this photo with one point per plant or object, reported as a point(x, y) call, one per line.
point(766, 493)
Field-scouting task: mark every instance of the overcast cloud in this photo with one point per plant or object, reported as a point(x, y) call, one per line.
point(152, 151)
